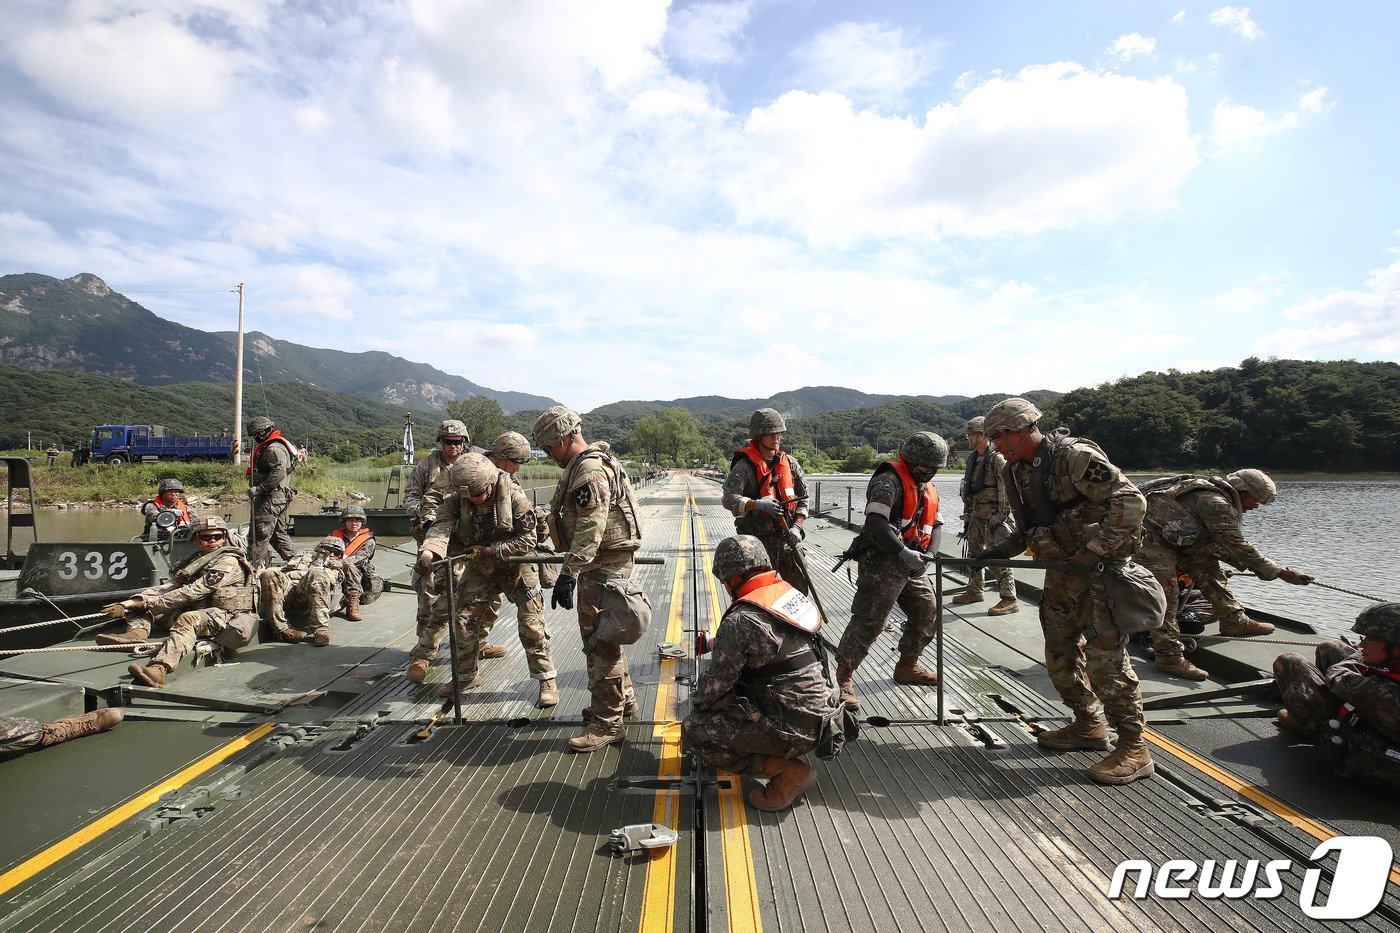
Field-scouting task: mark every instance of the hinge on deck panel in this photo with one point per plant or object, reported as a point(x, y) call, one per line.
point(287, 736)
point(641, 836)
point(1222, 809)
point(184, 807)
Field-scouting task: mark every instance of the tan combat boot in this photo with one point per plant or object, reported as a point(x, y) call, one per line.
point(594, 737)
point(848, 688)
point(1005, 607)
point(1244, 627)
point(352, 608)
point(152, 675)
point(1182, 668)
point(1087, 731)
point(910, 671)
point(321, 637)
point(287, 633)
point(789, 778)
point(1125, 764)
point(468, 683)
point(74, 727)
point(549, 693)
point(967, 597)
point(630, 706)
point(134, 635)
point(490, 651)
point(417, 670)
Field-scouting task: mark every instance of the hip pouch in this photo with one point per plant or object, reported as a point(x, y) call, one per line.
point(624, 612)
point(1135, 599)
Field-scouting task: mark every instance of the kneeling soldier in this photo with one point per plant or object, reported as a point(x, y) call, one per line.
point(210, 595)
point(308, 584)
point(763, 700)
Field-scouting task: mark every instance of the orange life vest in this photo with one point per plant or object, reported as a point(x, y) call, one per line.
point(179, 507)
point(769, 592)
point(273, 435)
point(353, 544)
point(920, 512)
point(775, 482)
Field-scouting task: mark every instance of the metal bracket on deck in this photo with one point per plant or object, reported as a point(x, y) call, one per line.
point(187, 806)
point(1222, 809)
point(641, 836)
point(670, 650)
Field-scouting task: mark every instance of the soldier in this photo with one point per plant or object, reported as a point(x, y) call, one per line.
point(901, 526)
point(269, 492)
point(509, 453)
point(1349, 701)
point(762, 702)
point(20, 734)
point(308, 584)
point(985, 507)
point(1071, 504)
point(357, 565)
point(487, 519)
point(170, 497)
point(210, 595)
point(51, 454)
point(767, 493)
point(593, 518)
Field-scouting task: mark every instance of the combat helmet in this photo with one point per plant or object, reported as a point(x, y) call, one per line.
point(1010, 414)
point(259, 425)
point(331, 544)
point(924, 449)
point(1381, 622)
point(766, 421)
point(1255, 482)
point(451, 427)
point(737, 555)
point(513, 447)
point(207, 523)
point(976, 425)
point(353, 511)
point(170, 484)
point(556, 424)
point(472, 474)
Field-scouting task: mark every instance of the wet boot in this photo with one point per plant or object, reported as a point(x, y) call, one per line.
point(489, 651)
point(1087, 731)
point(967, 597)
point(594, 737)
point(133, 635)
point(1181, 668)
point(549, 694)
point(417, 670)
point(468, 683)
point(1005, 607)
point(321, 637)
point(789, 778)
point(352, 607)
point(848, 689)
point(1126, 763)
point(910, 671)
point(1244, 627)
point(152, 675)
point(75, 727)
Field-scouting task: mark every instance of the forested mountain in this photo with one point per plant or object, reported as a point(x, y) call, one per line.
point(81, 325)
point(796, 403)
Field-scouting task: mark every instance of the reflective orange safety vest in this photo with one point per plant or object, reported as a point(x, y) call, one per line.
point(771, 593)
point(274, 435)
point(179, 507)
point(353, 544)
point(920, 511)
point(777, 482)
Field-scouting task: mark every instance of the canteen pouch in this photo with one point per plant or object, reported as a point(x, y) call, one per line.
point(1135, 599)
point(624, 612)
point(841, 727)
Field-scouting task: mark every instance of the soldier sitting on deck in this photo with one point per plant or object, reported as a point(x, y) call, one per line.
point(309, 584)
point(21, 734)
point(357, 567)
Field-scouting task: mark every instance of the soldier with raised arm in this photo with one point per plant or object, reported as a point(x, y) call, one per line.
point(767, 493)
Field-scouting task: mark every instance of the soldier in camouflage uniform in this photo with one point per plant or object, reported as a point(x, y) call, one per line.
point(487, 518)
point(1071, 504)
point(21, 734)
point(762, 702)
point(985, 506)
point(593, 520)
point(901, 526)
point(421, 501)
point(510, 452)
point(270, 492)
point(308, 584)
point(170, 497)
point(767, 492)
point(357, 564)
point(210, 595)
point(1349, 701)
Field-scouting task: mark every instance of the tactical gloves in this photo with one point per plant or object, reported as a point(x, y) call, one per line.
point(425, 562)
point(768, 506)
point(1296, 577)
point(797, 534)
point(1085, 560)
point(562, 596)
point(987, 553)
point(912, 559)
point(115, 610)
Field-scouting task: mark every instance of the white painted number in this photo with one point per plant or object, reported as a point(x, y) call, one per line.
point(94, 570)
point(68, 563)
point(116, 569)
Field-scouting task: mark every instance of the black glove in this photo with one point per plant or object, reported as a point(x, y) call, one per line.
point(563, 594)
point(1085, 560)
point(987, 553)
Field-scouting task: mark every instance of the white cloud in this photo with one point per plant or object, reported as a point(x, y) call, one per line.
point(870, 63)
point(708, 33)
point(512, 336)
point(1179, 16)
point(1236, 19)
point(1354, 323)
point(316, 291)
point(1130, 46)
point(1240, 127)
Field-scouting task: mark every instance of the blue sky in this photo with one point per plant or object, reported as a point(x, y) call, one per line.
point(602, 200)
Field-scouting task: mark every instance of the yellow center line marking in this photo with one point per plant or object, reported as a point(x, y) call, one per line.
point(1275, 806)
point(32, 866)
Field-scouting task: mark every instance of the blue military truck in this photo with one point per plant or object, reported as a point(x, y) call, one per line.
point(148, 443)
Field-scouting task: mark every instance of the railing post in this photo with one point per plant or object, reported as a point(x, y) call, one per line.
point(850, 520)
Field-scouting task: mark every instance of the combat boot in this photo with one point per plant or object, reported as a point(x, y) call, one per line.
point(789, 778)
point(417, 670)
point(848, 689)
point(490, 651)
point(1244, 627)
point(1087, 731)
point(1182, 668)
point(630, 706)
point(132, 636)
point(1005, 607)
point(288, 633)
point(595, 737)
point(967, 597)
point(1126, 763)
point(549, 693)
point(910, 671)
point(352, 608)
point(75, 727)
point(152, 675)
point(321, 637)
point(468, 683)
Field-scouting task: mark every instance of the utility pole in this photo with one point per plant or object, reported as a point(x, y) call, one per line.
point(238, 386)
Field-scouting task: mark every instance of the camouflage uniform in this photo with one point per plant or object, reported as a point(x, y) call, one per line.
point(302, 586)
point(356, 569)
point(272, 497)
point(740, 486)
point(884, 582)
point(739, 716)
point(422, 499)
point(460, 525)
point(209, 596)
point(984, 502)
point(18, 734)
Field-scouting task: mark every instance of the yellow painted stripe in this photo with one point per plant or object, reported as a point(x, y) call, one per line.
point(1277, 807)
point(31, 867)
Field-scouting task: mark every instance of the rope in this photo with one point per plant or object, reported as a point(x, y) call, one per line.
point(23, 628)
point(1325, 586)
point(1252, 638)
point(132, 646)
